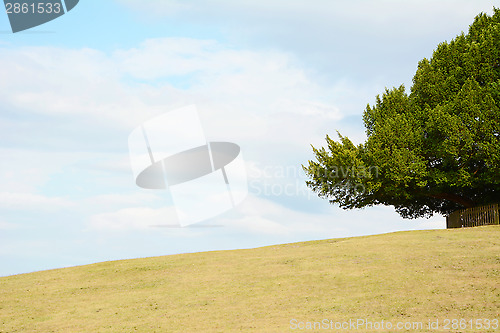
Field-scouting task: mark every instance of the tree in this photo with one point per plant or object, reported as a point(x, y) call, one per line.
point(434, 150)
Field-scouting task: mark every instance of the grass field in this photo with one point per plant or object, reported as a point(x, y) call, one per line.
point(404, 277)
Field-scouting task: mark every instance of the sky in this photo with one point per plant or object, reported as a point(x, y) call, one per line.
point(274, 77)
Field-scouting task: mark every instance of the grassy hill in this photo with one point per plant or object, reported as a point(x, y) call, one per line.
point(403, 277)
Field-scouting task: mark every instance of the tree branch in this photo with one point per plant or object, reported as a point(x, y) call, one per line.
point(467, 203)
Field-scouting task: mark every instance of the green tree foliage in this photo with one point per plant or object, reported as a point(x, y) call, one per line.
point(434, 150)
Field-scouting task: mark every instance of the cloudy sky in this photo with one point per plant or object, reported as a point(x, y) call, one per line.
point(272, 76)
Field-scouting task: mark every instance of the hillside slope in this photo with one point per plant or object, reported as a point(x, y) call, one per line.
point(405, 277)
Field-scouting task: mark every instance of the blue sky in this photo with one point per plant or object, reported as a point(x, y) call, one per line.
point(271, 76)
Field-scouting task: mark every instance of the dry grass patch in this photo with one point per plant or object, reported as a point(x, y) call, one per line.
point(403, 276)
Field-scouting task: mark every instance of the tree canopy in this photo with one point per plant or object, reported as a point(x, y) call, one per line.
point(434, 150)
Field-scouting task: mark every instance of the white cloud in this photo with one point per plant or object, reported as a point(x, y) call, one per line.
point(100, 87)
point(59, 82)
point(263, 216)
point(8, 226)
point(158, 8)
point(258, 225)
point(164, 57)
point(36, 171)
point(436, 222)
point(368, 14)
point(361, 39)
point(24, 170)
point(134, 218)
point(120, 200)
point(33, 202)
point(35, 79)
point(254, 98)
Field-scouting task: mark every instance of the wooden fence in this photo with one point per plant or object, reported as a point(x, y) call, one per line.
point(473, 217)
